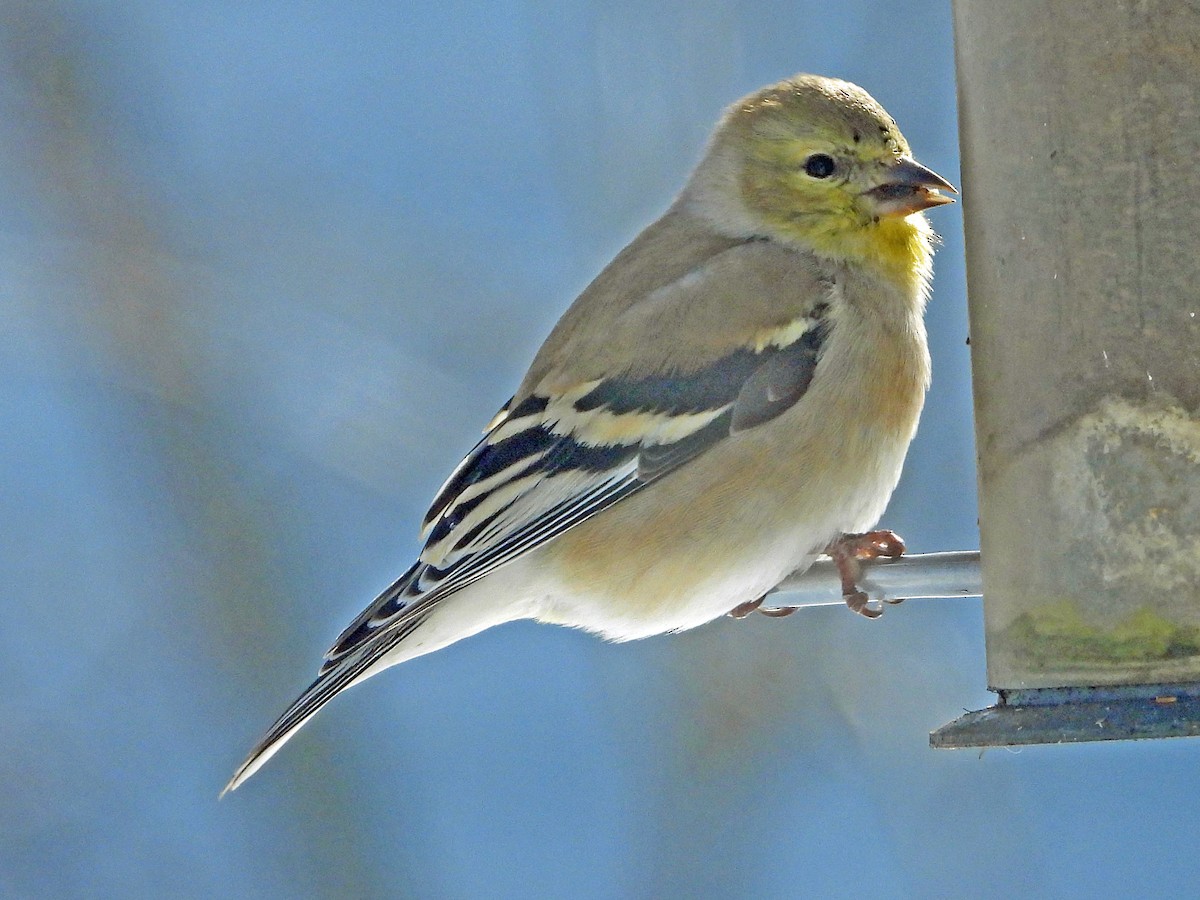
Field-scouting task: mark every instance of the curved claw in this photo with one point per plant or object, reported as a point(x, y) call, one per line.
point(744, 609)
point(859, 602)
point(777, 612)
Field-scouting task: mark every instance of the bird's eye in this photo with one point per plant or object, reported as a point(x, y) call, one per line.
point(819, 165)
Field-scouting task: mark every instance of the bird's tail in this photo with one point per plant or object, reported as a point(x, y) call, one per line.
point(346, 664)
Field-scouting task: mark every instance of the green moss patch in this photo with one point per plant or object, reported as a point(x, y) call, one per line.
point(1058, 634)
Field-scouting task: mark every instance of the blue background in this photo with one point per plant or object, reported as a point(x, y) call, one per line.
point(265, 270)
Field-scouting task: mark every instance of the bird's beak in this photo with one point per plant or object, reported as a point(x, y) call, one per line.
point(908, 187)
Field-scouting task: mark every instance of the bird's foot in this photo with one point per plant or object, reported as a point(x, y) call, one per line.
point(744, 609)
point(849, 552)
point(871, 545)
point(775, 612)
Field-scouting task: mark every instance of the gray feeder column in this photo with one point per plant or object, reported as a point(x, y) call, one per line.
point(1080, 129)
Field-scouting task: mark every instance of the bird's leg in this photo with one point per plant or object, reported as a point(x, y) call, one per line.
point(849, 552)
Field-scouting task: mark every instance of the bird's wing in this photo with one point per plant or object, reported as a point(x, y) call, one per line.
point(606, 411)
point(576, 441)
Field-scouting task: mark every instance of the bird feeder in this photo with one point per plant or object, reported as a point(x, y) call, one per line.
point(1080, 129)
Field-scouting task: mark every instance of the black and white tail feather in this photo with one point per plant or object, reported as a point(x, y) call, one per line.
point(541, 470)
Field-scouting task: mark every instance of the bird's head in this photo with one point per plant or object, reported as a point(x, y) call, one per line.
point(817, 161)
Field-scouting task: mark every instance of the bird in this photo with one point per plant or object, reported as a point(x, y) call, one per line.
point(732, 396)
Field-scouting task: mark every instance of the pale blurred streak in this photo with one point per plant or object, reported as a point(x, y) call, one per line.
point(128, 297)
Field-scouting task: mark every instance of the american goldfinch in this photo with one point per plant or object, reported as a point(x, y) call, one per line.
point(736, 390)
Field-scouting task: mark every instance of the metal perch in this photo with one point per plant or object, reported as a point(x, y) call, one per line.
point(910, 577)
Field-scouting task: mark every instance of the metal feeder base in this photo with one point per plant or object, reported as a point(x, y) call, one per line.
point(1071, 714)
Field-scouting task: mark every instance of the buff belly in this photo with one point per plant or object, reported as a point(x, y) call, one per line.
point(722, 536)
